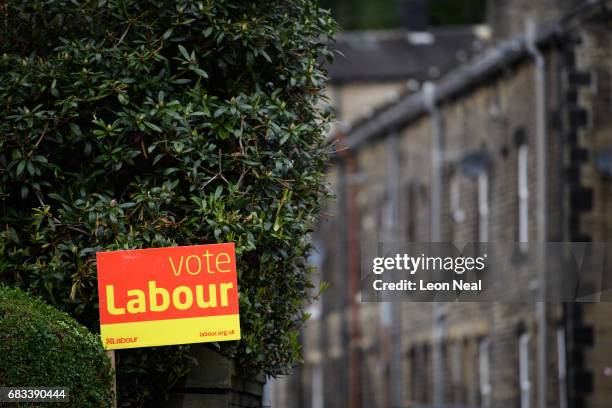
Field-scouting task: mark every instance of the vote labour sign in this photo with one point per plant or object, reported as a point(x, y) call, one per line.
point(163, 296)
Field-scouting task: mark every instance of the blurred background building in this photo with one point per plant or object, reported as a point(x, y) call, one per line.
point(462, 121)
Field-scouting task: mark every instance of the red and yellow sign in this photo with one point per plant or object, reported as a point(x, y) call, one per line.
point(163, 296)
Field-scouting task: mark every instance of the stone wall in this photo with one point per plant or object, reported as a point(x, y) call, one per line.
point(216, 382)
point(490, 118)
point(590, 133)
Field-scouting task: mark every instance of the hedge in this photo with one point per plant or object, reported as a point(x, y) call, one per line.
point(131, 124)
point(41, 346)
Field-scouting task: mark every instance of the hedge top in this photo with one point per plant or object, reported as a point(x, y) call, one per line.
point(41, 346)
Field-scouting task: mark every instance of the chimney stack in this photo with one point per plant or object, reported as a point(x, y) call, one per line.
point(413, 14)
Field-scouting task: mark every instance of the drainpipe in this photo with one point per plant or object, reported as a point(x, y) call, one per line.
point(429, 97)
point(266, 401)
point(541, 138)
point(351, 232)
point(392, 234)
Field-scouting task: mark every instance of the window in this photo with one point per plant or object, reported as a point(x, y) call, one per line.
point(412, 193)
point(483, 206)
point(316, 260)
point(455, 199)
point(388, 220)
point(412, 375)
point(317, 386)
point(484, 373)
point(420, 375)
point(562, 367)
point(385, 312)
point(524, 381)
point(475, 165)
point(457, 370)
point(523, 195)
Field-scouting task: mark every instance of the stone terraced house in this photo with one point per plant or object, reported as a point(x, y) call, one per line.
point(527, 101)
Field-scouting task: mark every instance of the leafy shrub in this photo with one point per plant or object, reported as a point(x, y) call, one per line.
point(132, 124)
point(41, 346)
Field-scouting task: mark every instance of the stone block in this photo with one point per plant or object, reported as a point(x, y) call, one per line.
point(212, 370)
point(215, 382)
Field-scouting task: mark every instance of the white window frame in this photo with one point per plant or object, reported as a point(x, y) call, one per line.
point(484, 369)
point(456, 366)
point(483, 206)
point(455, 199)
point(316, 259)
point(562, 367)
point(318, 386)
point(456, 358)
point(523, 194)
point(524, 377)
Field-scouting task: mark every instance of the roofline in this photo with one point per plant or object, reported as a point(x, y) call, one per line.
point(492, 62)
point(366, 79)
point(478, 32)
point(386, 34)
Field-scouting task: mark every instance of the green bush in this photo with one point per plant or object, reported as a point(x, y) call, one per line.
point(133, 124)
point(41, 346)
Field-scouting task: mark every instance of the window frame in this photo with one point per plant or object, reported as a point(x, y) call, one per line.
point(484, 372)
point(522, 161)
point(483, 206)
point(525, 384)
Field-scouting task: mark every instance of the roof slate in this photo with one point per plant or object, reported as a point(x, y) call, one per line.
point(399, 54)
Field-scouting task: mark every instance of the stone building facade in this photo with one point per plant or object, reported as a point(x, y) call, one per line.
point(399, 175)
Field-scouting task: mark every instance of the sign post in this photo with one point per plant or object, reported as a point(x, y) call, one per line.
point(111, 355)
